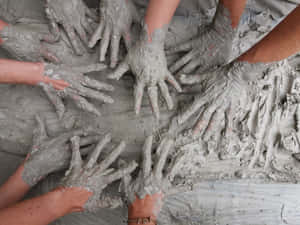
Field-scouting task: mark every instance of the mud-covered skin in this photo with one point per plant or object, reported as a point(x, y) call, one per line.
point(116, 18)
point(24, 42)
point(227, 91)
point(147, 61)
point(74, 17)
point(81, 87)
point(212, 48)
point(50, 154)
point(155, 176)
point(94, 176)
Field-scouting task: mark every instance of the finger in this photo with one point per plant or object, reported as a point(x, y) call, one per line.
point(121, 172)
point(112, 156)
point(49, 55)
point(89, 68)
point(158, 168)
point(153, 96)
point(97, 85)
point(114, 49)
point(215, 125)
point(54, 99)
point(65, 138)
point(97, 35)
point(161, 147)
point(58, 84)
point(147, 162)
point(73, 39)
point(165, 92)
point(54, 29)
point(83, 104)
point(81, 32)
point(191, 66)
point(39, 133)
point(138, 96)
point(93, 157)
point(182, 61)
point(91, 139)
point(76, 160)
point(180, 48)
point(120, 71)
point(90, 93)
point(87, 26)
point(104, 43)
point(173, 82)
point(175, 167)
point(191, 79)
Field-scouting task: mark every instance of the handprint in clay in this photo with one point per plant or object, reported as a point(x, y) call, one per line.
point(51, 154)
point(80, 87)
point(148, 63)
point(75, 18)
point(95, 177)
point(116, 18)
point(145, 194)
point(26, 42)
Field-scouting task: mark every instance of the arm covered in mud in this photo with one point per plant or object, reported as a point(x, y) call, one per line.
point(147, 60)
point(145, 194)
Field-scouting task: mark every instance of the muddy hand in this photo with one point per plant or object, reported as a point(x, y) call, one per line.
point(50, 154)
point(25, 42)
point(116, 17)
point(75, 18)
point(80, 87)
point(93, 176)
point(154, 178)
point(226, 91)
point(148, 63)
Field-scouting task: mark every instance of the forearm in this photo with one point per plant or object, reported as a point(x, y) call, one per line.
point(16, 72)
point(13, 189)
point(159, 13)
point(2, 25)
point(38, 211)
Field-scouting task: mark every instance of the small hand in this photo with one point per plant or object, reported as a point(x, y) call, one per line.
point(116, 18)
point(26, 42)
point(79, 88)
point(74, 17)
point(146, 193)
point(49, 154)
point(95, 177)
point(148, 63)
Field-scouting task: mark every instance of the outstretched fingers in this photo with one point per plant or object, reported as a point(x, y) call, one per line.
point(83, 104)
point(101, 86)
point(73, 39)
point(170, 78)
point(175, 167)
point(90, 68)
point(93, 157)
point(147, 161)
point(179, 48)
point(105, 42)
point(182, 61)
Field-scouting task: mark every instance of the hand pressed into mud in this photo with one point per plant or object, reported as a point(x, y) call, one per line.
point(153, 181)
point(148, 63)
point(80, 87)
point(26, 42)
point(116, 18)
point(95, 177)
point(75, 18)
point(50, 154)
